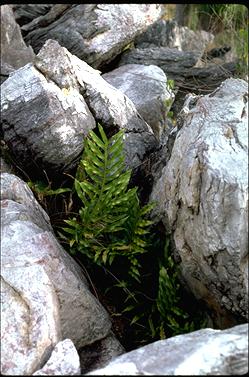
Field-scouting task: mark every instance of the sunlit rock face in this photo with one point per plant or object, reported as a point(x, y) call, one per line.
point(202, 352)
point(49, 107)
point(202, 198)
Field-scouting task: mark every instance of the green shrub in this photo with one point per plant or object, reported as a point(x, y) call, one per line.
point(112, 230)
point(110, 223)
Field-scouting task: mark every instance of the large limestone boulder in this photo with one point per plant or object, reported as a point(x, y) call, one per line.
point(173, 62)
point(96, 33)
point(180, 52)
point(64, 361)
point(202, 198)
point(14, 52)
point(53, 103)
point(202, 352)
point(46, 297)
point(168, 33)
point(30, 323)
point(147, 87)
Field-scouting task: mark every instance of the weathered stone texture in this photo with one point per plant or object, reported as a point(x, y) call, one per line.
point(173, 62)
point(64, 361)
point(96, 33)
point(202, 197)
point(167, 33)
point(147, 87)
point(14, 52)
point(42, 122)
point(30, 324)
point(48, 109)
point(203, 352)
point(27, 241)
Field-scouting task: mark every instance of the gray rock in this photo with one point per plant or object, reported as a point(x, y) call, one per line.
point(167, 33)
point(147, 87)
point(28, 242)
point(30, 325)
point(96, 33)
point(202, 198)
point(25, 13)
point(202, 352)
point(47, 106)
point(202, 80)
point(181, 61)
point(100, 353)
point(53, 12)
point(64, 361)
point(174, 63)
point(208, 78)
point(14, 52)
point(43, 124)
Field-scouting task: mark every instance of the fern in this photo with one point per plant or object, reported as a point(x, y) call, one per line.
point(174, 320)
point(110, 222)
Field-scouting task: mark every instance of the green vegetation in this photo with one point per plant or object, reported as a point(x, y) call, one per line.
point(110, 223)
point(113, 231)
point(42, 190)
point(229, 23)
point(108, 231)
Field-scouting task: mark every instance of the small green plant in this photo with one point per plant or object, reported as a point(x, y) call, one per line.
point(110, 223)
point(170, 85)
point(112, 230)
point(42, 190)
point(50, 198)
point(173, 318)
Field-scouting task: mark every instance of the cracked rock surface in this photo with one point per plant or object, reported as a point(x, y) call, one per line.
point(50, 106)
point(96, 33)
point(202, 198)
point(202, 352)
point(147, 87)
point(167, 33)
point(29, 318)
point(14, 52)
point(46, 297)
point(64, 361)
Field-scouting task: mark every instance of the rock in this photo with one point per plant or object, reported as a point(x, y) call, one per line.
point(43, 124)
point(182, 67)
point(174, 63)
point(96, 33)
point(202, 352)
point(147, 87)
point(62, 94)
point(202, 80)
point(25, 13)
point(202, 198)
point(27, 243)
point(208, 78)
point(100, 353)
point(167, 33)
point(53, 13)
point(29, 318)
point(14, 52)
point(64, 361)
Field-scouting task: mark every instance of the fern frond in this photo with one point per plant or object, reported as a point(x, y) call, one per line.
point(111, 223)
